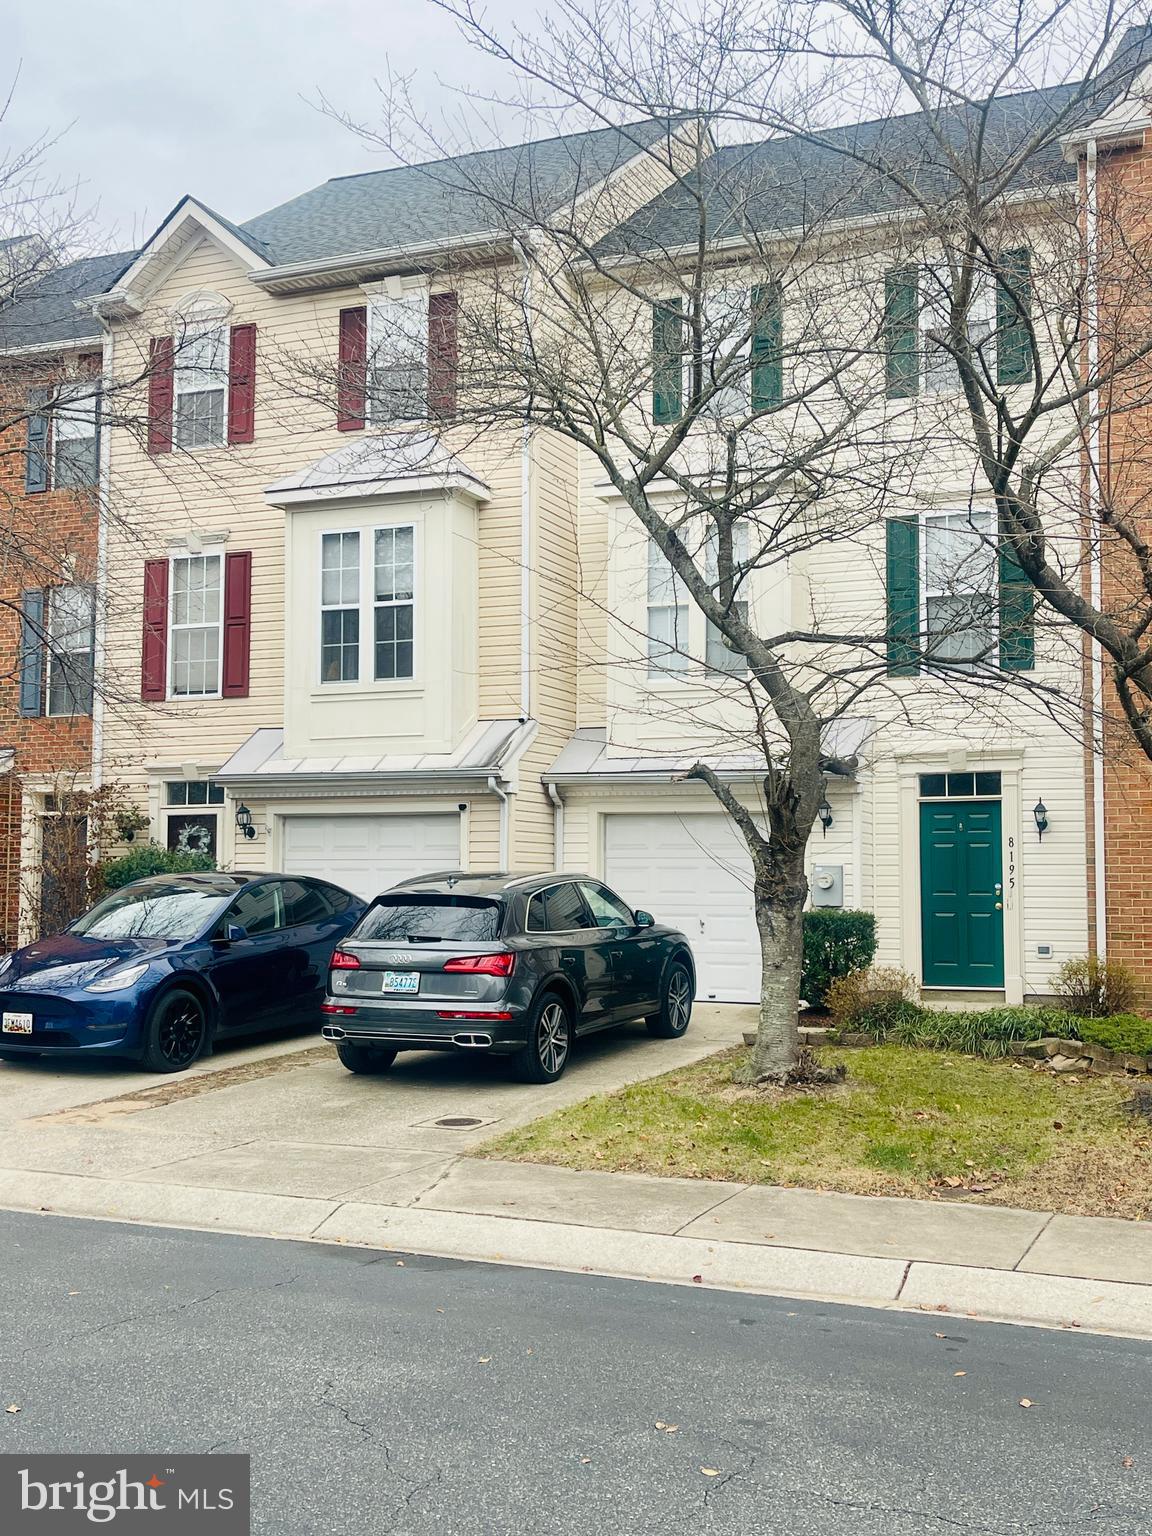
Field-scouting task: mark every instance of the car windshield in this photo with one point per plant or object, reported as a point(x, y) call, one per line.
point(152, 912)
point(407, 919)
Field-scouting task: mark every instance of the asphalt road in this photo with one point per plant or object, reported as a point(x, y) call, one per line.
point(430, 1396)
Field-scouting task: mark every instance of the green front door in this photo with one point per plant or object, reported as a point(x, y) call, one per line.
point(961, 905)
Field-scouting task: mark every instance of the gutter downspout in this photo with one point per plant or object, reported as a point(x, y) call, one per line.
point(498, 789)
point(103, 501)
point(526, 528)
point(1091, 235)
point(557, 800)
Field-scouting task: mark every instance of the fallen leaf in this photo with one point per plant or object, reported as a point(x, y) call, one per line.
point(73, 1293)
point(1026, 1402)
point(1128, 1463)
point(710, 1471)
point(585, 1461)
point(959, 1373)
point(697, 1279)
point(669, 1429)
point(12, 1408)
point(941, 1335)
point(399, 1263)
point(439, 1309)
point(485, 1360)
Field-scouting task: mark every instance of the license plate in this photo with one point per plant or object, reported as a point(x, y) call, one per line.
point(17, 1024)
point(400, 981)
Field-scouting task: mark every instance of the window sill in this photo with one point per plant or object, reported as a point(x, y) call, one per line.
point(383, 688)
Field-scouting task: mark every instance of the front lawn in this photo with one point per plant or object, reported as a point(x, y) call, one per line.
point(906, 1122)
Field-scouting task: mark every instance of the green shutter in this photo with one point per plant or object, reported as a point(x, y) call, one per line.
point(902, 332)
point(767, 347)
point(903, 569)
point(667, 361)
point(1017, 614)
point(1013, 314)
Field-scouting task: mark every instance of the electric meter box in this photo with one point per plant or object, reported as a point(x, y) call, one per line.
point(827, 885)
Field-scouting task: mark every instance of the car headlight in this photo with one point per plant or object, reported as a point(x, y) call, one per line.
point(118, 979)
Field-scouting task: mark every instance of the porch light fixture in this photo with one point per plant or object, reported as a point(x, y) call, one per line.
point(244, 821)
point(1040, 815)
point(824, 811)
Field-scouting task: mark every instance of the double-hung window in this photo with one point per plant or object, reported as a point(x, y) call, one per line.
point(195, 617)
point(75, 436)
point(917, 313)
point(961, 598)
point(340, 607)
point(367, 604)
point(667, 616)
point(200, 382)
point(393, 600)
point(398, 358)
point(716, 653)
point(71, 615)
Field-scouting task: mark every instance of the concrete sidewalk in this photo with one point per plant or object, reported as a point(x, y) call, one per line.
point(1018, 1266)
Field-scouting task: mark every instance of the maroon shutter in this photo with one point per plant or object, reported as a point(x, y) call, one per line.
point(352, 372)
point(160, 382)
point(154, 658)
point(443, 310)
point(242, 384)
point(237, 624)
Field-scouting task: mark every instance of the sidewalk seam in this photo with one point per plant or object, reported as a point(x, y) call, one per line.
point(1035, 1240)
point(708, 1209)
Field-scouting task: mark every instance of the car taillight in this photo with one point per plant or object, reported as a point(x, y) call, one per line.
point(483, 965)
point(343, 961)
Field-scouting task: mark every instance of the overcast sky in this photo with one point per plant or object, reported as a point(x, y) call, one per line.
point(154, 98)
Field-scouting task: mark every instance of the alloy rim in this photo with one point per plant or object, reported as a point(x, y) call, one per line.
point(679, 1001)
point(179, 1033)
point(552, 1038)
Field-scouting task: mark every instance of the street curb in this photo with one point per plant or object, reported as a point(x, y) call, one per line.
point(1009, 1296)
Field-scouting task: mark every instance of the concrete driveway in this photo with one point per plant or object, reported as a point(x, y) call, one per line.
point(284, 1119)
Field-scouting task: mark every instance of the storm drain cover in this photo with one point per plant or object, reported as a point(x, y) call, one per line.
point(458, 1122)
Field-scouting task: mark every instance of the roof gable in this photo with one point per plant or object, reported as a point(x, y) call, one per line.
point(179, 233)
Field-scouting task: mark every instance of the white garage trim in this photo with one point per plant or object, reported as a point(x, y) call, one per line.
point(368, 850)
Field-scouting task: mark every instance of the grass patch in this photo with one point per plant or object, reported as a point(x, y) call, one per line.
point(906, 1122)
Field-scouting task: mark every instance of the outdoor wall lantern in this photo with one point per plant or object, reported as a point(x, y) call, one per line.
point(244, 821)
point(1040, 813)
point(824, 811)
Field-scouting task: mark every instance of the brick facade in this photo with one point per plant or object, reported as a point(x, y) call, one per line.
point(52, 539)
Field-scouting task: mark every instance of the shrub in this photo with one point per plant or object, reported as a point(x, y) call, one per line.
point(835, 943)
point(1093, 988)
point(1126, 1032)
point(152, 859)
point(874, 1000)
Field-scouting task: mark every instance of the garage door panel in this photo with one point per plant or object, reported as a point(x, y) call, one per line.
point(694, 873)
point(367, 854)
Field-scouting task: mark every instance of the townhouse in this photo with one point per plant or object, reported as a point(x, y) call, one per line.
point(342, 634)
point(50, 449)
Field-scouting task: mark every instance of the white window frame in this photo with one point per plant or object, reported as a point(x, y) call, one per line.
point(666, 659)
point(367, 606)
point(732, 664)
point(55, 647)
point(174, 628)
point(196, 330)
point(343, 606)
point(403, 317)
point(973, 515)
point(938, 374)
point(65, 423)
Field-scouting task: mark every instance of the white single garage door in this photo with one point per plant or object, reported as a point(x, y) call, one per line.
point(367, 854)
point(694, 873)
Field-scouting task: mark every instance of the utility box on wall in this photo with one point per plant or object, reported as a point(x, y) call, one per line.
point(827, 885)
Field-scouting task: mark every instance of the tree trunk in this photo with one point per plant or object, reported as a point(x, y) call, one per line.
point(780, 890)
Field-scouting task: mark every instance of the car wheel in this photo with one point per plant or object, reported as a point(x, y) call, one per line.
point(176, 1033)
point(365, 1059)
point(549, 1045)
point(675, 1006)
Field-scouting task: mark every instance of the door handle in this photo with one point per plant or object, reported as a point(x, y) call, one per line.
point(701, 922)
point(999, 906)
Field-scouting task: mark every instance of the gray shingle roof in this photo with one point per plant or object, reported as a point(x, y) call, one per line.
point(444, 199)
point(46, 311)
point(793, 182)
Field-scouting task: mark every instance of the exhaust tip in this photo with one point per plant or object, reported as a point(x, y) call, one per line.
point(472, 1041)
point(332, 1032)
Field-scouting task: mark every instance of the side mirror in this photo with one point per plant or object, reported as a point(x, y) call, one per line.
point(234, 933)
point(644, 919)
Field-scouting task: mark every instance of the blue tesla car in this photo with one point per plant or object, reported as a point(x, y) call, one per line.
point(160, 969)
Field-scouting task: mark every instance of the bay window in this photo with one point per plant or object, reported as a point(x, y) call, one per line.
point(367, 607)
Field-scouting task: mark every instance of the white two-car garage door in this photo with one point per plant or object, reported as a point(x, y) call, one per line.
point(693, 872)
point(367, 854)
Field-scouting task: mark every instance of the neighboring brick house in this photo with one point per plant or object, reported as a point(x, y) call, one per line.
point(50, 364)
point(1115, 158)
